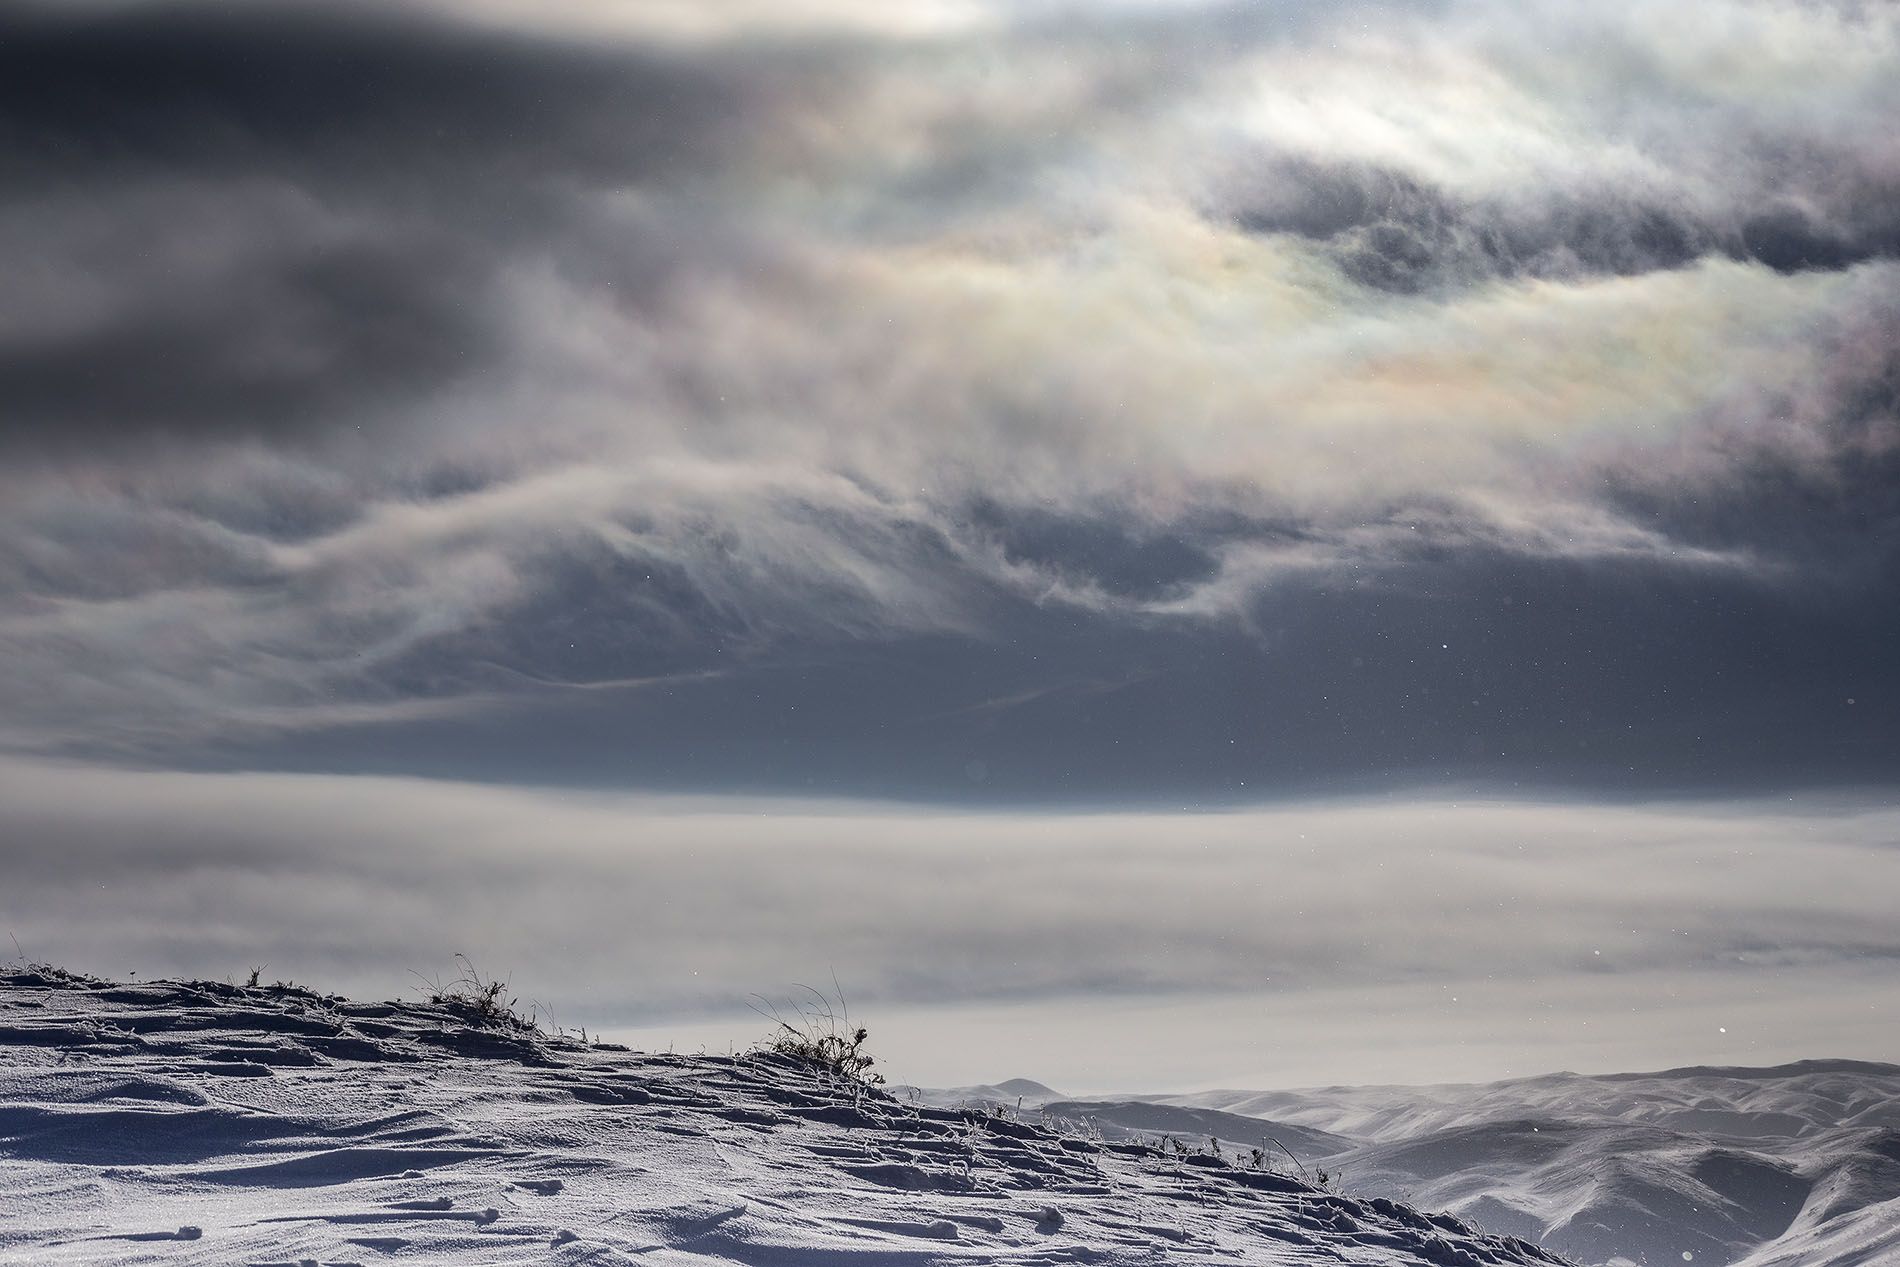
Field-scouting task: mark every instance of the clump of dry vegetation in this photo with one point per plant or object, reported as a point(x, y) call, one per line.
point(819, 1033)
point(476, 1000)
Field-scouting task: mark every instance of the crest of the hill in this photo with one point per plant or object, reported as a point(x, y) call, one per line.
point(190, 1122)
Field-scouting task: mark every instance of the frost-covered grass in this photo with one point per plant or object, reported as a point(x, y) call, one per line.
point(819, 1033)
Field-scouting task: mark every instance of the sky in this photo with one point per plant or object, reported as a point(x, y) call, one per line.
point(1160, 542)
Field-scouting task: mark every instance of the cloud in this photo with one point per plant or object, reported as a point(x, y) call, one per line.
point(694, 346)
point(360, 94)
point(650, 911)
point(223, 220)
point(310, 320)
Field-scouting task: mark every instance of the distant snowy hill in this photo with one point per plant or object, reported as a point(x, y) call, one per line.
point(185, 1123)
point(1794, 1166)
point(1019, 1093)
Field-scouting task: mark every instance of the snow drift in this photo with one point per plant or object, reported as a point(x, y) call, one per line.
point(191, 1122)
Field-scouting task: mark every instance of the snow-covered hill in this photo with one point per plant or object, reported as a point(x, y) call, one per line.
point(1794, 1166)
point(200, 1123)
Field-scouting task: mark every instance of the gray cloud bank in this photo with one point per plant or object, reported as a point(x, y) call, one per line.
point(1455, 390)
point(1166, 948)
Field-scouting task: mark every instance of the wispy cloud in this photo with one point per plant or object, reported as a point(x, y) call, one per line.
point(697, 342)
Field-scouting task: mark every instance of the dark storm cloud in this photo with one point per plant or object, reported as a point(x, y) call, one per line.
point(293, 337)
point(362, 94)
point(297, 214)
point(1394, 231)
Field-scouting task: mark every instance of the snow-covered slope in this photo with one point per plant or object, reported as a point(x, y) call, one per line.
point(1139, 1118)
point(199, 1123)
point(1793, 1166)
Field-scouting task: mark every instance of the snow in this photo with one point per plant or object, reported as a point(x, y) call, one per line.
point(201, 1123)
point(1792, 1166)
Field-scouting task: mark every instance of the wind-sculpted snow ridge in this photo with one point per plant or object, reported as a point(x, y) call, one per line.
point(201, 1123)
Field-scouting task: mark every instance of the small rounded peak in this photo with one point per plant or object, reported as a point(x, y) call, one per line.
point(1029, 1089)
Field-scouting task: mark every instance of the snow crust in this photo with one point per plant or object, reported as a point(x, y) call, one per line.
point(202, 1123)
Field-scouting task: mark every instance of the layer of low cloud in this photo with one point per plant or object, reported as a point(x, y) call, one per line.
point(1533, 933)
point(368, 365)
